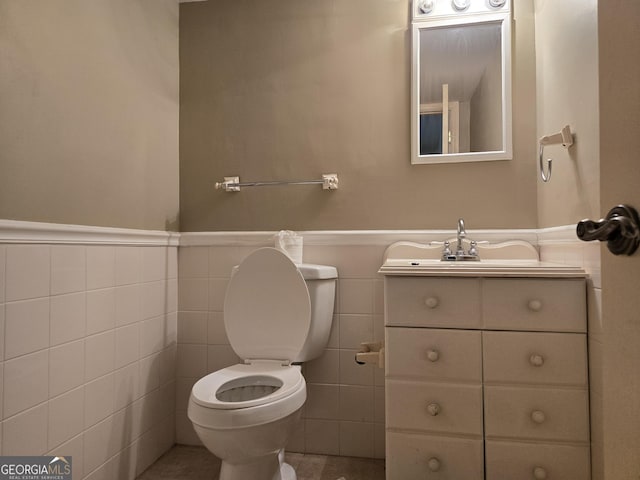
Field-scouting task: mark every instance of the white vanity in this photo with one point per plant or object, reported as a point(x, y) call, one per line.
point(486, 367)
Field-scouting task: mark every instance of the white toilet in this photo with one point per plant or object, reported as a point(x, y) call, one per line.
point(275, 313)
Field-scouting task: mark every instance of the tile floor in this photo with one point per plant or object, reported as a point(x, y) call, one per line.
point(196, 463)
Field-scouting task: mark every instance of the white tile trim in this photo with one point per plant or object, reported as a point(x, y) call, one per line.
point(14, 231)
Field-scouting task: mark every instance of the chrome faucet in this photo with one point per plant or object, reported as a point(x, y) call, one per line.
point(462, 234)
point(460, 254)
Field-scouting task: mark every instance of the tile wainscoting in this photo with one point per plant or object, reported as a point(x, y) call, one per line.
point(344, 413)
point(113, 327)
point(88, 318)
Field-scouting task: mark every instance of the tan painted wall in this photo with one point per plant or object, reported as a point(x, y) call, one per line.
point(89, 112)
point(619, 31)
point(290, 90)
point(567, 93)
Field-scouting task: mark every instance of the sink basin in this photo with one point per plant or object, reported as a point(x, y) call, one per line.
point(515, 258)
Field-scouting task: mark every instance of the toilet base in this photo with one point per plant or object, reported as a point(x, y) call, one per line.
point(269, 467)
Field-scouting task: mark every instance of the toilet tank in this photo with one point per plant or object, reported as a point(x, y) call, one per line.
point(321, 283)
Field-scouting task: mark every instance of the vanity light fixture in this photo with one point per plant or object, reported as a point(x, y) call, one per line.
point(460, 5)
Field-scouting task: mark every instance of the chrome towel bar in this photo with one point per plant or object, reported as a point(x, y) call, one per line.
point(329, 181)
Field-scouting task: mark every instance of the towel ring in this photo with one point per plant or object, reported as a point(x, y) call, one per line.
point(545, 177)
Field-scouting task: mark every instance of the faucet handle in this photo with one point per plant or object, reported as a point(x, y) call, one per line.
point(447, 248)
point(473, 251)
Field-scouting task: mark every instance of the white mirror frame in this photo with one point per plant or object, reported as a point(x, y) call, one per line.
point(506, 153)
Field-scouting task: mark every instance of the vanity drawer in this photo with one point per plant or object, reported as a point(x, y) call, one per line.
point(431, 354)
point(536, 413)
point(535, 358)
point(535, 304)
point(435, 302)
point(519, 461)
point(434, 407)
point(424, 457)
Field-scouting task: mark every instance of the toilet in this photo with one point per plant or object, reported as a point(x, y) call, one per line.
point(276, 314)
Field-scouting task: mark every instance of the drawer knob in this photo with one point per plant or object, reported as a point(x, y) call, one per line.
point(433, 355)
point(432, 302)
point(539, 473)
point(536, 360)
point(434, 464)
point(534, 305)
point(538, 416)
point(433, 409)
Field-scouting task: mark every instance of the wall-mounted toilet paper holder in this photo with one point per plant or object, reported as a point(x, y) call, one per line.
point(371, 352)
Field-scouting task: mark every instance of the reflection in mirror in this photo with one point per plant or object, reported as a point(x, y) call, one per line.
point(461, 91)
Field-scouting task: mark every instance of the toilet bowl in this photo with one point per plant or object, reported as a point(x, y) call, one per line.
point(274, 316)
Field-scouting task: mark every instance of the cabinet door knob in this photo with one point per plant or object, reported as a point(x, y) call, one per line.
point(538, 416)
point(433, 355)
point(536, 360)
point(431, 302)
point(433, 409)
point(534, 305)
point(539, 473)
point(434, 464)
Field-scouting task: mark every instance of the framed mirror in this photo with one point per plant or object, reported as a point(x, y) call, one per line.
point(461, 89)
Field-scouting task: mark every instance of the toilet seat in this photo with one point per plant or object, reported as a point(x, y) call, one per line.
point(267, 308)
point(285, 379)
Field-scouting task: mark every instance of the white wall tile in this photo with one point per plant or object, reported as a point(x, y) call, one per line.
point(2, 330)
point(26, 327)
point(127, 346)
point(379, 405)
point(99, 355)
point(217, 291)
point(98, 400)
point(223, 259)
point(192, 361)
point(68, 318)
point(66, 367)
point(126, 386)
point(323, 401)
point(322, 436)
point(167, 360)
point(355, 329)
point(68, 269)
point(26, 382)
point(154, 263)
point(96, 449)
point(101, 267)
point(594, 302)
point(128, 305)
point(193, 262)
point(596, 366)
point(192, 327)
point(27, 271)
point(3, 250)
point(26, 433)
point(185, 434)
point(356, 403)
point(150, 373)
point(172, 296)
point(356, 296)
point(101, 310)
point(221, 356)
point(151, 336)
point(379, 440)
point(128, 265)
point(356, 439)
point(65, 417)
point(154, 299)
point(74, 449)
point(324, 369)
point(172, 263)
point(183, 392)
point(216, 331)
point(193, 294)
point(170, 329)
point(353, 374)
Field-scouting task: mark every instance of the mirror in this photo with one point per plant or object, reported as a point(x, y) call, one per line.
point(461, 89)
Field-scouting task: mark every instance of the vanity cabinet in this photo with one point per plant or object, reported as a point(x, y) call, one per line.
point(486, 378)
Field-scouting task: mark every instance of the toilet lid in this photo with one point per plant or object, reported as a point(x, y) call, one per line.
point(267, 310)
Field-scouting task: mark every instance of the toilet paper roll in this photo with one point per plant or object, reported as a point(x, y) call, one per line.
point(290, 243)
